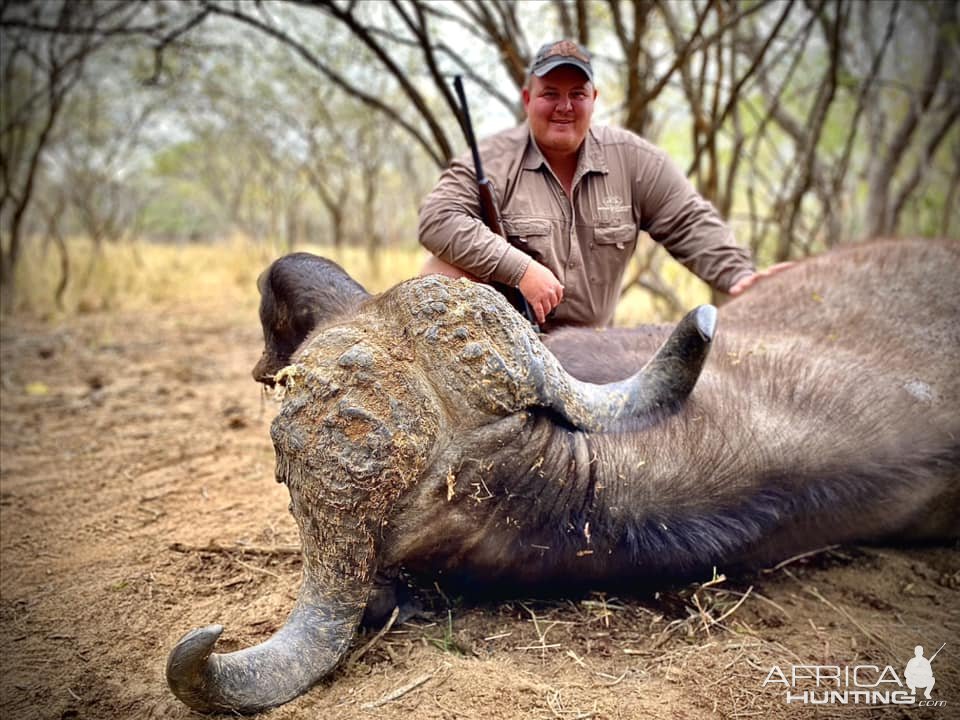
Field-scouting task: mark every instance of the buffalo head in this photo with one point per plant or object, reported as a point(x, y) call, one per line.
point(370, 402)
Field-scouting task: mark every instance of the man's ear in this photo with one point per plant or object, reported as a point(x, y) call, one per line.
point(525, 96)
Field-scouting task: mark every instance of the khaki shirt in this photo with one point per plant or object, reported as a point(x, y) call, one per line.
point(623, 184)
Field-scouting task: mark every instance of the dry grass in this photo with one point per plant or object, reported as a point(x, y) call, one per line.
point(135, 276)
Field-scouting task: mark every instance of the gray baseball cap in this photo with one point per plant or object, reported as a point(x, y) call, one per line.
point(561, 52)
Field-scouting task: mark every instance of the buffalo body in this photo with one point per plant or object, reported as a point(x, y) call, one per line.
point(427, 428)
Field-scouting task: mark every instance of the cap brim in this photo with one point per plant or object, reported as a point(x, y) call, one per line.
point(557, 62)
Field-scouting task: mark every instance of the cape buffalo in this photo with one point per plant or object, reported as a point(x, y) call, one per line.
point(429, 428)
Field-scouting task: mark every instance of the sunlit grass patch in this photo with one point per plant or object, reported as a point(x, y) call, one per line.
point(132, 276)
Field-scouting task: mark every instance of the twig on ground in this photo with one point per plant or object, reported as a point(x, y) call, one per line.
point(542, 633)
point(840, 611)
point(801, 556)
point(374, 640)
point(757, 595)
point(398, 693)
point(446, 709)
point(616, 679)
point(715, 580)
point(248, 566)
point(576, 658)
point(732, 610)
point(250, 549)
point(604, 608)
point(705, 619)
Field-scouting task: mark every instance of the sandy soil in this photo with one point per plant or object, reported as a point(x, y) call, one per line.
point(138, 502)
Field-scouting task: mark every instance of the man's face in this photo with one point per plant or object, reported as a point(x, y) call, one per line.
point(559, 107)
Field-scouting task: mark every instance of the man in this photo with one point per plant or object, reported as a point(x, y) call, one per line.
point(572, 199)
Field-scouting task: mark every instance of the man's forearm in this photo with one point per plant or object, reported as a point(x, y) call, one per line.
point(451, 228)
point(715, 259)
point(691, 229)
point(466, 243)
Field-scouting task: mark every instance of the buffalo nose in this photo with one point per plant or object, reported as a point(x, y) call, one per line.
point(263, 371)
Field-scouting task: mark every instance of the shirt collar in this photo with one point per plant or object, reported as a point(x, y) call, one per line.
point(533, 159)
point(591, 157)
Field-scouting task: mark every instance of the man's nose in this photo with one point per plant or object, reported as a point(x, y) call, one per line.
point(565, 104)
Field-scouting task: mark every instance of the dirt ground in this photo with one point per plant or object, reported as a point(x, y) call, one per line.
point(138, 502)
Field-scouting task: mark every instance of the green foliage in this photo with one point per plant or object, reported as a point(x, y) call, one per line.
point(179, 210)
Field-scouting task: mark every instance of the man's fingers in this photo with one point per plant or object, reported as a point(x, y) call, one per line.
point(553, 298)
point(741, 285)
point(541, 312)
point(542, 290)
point(780, 267)
point(749, 281)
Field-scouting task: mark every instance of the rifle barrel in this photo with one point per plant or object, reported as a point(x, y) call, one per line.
point(488, 208)
point(468, 126)
point(936, 653)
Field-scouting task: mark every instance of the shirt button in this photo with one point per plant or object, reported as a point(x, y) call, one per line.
point(571, 265)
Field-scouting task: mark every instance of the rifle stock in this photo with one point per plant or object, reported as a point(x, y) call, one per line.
point(488, 206)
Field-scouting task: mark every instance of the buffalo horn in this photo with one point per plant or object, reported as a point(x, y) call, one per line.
point(663, 382)
point(308, 646)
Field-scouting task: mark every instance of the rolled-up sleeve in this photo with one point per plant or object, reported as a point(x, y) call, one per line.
point(687, 225)
point(451, 228)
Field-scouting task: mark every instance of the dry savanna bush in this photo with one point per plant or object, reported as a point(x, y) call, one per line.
point(139, 274)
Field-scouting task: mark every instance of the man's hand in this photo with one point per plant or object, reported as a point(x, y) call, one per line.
point(541, 289)
point(745, 283)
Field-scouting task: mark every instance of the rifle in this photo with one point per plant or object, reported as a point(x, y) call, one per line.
point(488, 206)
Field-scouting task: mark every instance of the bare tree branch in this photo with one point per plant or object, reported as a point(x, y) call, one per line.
point(57, 63)
point(880, 209)
point(734, 96)
point(922, 165)
point(815, 122)
point(437, 133)
point(437, 154)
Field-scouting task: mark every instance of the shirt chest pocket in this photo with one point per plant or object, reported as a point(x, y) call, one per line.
point(523, 228)
point(620, 237)
point(532, 235)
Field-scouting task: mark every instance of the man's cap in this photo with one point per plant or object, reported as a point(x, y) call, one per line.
point(562, 52)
